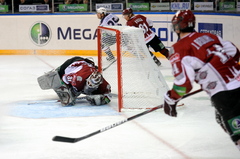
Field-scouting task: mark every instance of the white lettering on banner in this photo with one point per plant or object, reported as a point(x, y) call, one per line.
point(160, 6)
point(30, 8)
point(180, 5)
point(105, 5)
point(33, 8)
point(227, 6)
point(138, 6)
point(215, 32)
point(75, 7)
point(203, 5)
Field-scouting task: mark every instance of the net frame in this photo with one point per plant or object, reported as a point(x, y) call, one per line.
point(119, 32)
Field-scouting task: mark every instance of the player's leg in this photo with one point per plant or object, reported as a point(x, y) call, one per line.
point(219, 120)
point(109, 53)
point(52, 80)
point(107, 41)
point(67, 95)
point(158, 46)
point(227, 104)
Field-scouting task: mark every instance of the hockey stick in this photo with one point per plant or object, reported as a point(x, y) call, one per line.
point(113, 95)
point(54, 101)
point(74, 140)
point(112, 62)
point(109, 65)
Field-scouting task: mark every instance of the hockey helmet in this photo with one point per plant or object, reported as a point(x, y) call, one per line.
point(94, 80)
point(183, 20)
point(102, 10)
point(127, 11)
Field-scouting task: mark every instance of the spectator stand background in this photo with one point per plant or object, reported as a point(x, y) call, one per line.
point(78, 6)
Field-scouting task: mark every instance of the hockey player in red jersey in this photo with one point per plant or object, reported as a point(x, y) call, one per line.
point(151, 38)
point(211, 62)
point(74, 77)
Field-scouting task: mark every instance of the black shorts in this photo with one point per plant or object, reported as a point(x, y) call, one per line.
point(156, 44)
point(228, 105)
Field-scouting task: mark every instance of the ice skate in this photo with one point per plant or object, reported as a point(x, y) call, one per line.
point(157, 61)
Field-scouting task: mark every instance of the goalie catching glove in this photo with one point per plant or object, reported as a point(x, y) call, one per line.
point(98, 99)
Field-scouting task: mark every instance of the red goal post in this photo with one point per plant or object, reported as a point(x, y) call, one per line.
point(134, 77)
point(119, 68)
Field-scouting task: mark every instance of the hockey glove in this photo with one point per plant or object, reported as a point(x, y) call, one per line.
point(98, 99)
point(170, 105)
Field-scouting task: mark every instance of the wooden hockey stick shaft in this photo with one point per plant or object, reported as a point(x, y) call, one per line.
point(74, 140)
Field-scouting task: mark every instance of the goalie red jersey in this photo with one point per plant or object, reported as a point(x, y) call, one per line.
point(143, 22)
point(76, 75)
point(206, 59)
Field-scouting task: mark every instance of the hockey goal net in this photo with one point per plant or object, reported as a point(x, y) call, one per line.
point(133, 75)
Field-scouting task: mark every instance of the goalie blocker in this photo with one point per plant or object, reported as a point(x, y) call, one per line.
point(74, 77)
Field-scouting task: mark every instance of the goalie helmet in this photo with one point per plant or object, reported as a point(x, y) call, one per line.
point(183, 20)
point(127, 11)
point(102, 10)
point(94, 80)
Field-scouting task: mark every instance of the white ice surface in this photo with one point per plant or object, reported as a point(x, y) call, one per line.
point(193, 134)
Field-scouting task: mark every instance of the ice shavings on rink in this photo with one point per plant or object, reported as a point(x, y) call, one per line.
point(53, 109)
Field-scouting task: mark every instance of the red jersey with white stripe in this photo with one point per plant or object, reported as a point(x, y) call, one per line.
point(77, 73)
point(141, 21)
point(206, 59)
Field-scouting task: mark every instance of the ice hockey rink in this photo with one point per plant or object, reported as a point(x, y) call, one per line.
point(31, 117)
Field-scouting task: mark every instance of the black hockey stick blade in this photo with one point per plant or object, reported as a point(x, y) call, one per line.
point(64, 139)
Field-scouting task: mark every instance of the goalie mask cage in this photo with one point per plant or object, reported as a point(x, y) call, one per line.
point(134, 76)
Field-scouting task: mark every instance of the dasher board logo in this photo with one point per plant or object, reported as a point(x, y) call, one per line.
point(213, 28)
point(40, 33)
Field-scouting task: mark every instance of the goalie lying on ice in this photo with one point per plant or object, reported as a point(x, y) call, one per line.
point(77, 76)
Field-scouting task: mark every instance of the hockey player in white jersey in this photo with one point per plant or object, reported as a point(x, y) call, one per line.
point(107, 19)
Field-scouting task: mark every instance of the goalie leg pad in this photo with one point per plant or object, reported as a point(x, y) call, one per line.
point(66, 95)
point(50, 80)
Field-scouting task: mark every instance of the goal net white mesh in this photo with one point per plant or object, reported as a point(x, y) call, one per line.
point(134, 76)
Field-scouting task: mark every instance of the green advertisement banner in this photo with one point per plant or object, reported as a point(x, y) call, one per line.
point(139, 6)
point(227, 6)
point(73, 7)
point(3, 8)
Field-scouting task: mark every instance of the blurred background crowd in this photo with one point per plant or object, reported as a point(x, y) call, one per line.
point(51, 6)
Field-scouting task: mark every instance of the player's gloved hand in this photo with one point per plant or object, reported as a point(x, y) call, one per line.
point(98, 99)
point(170, 105)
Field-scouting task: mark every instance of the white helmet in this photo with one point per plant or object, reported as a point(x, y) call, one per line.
point(94, 80)
point(101, 10)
